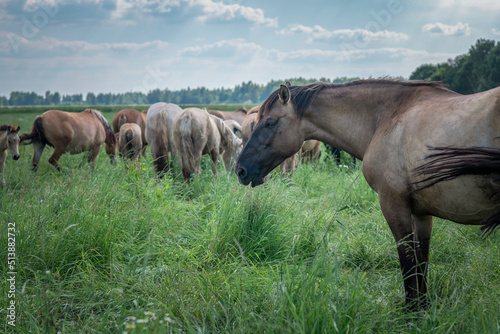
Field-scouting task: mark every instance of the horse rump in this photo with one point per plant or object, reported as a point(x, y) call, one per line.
point(449, 163)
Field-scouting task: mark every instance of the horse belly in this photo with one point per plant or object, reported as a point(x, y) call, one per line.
point(466, 200)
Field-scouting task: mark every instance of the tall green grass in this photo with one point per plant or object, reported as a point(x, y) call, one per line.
point(112, 250)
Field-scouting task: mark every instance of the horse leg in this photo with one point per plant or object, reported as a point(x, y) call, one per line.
point(422, 226)
point(37, 154)
point(94, 151)
point(215, 158)
point(54, 158)
point(412, 234)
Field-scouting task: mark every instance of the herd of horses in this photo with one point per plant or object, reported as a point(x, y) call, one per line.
point(427, 151)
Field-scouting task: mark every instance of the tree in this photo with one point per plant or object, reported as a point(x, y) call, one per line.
point(423, 72)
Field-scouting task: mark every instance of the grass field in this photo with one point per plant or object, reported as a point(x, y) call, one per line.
point(115, 250)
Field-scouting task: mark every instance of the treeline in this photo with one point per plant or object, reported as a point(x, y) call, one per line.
point(246, 93)
point(473, 72)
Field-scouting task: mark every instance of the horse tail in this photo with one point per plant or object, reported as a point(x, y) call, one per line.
point(448, 163)
point(161, 141)
point(186, 148)
point(36, 135)
point(129, 143)
point(110, 135)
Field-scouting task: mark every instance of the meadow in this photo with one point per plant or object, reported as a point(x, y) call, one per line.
point(112, 250)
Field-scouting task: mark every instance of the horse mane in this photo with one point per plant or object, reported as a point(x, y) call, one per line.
point(110, 135)
point(448, 163)
point(302, 96)
point(9, 127)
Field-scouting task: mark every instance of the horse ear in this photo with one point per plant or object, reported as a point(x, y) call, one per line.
point(284, 93)
point(18, 128)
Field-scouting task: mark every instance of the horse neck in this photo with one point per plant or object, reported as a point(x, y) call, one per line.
point(226, 135)
point(348, 117)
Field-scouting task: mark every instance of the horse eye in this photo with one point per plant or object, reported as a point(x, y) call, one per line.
point(271, 122)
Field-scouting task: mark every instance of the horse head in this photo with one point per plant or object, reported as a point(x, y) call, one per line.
point(277, 135)
point(13, 141)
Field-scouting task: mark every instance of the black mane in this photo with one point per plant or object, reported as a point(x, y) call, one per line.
point(302, 96)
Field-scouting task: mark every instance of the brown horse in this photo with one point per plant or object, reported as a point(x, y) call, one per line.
point(132, 116)
point(159, 122)
point(70, 132)
point(130, 142)
point(9, 141)
point(389, 125)
point(196, 132)
point(237, 115)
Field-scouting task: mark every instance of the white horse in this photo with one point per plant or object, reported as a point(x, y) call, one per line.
point(159, 120)
point(196, 132)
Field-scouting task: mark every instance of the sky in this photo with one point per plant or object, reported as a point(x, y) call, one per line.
point(118, 46)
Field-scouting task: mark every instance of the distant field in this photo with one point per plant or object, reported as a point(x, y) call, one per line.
point(118, 251)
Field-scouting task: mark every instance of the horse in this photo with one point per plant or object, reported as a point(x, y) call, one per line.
point(158, 133)
point(310, 151)
point(9, 141)
point(237, 115)
point(130, 141)
point(70, 133)
point(132, 116)
point(196, 132)
point(389, 125)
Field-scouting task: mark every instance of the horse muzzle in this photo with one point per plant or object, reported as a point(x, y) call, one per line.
point(245, 178)
point(16, 156)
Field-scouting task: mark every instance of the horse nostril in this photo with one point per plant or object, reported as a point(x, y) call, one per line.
point(242, 172)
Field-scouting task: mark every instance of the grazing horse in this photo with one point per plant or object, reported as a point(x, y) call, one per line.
point(132, 116)
point(389, 125)
point(159, 121)
point(71, 132)
point(237, 115)
point(9, 141)
point(196, 132)
point(130, 141)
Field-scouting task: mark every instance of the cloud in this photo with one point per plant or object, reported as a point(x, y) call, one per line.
point(318, 33)
point(12, 44)
point(495, 32)
point(226, 12)
point(460, 29)
point(237, 49)
point(131, 11)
